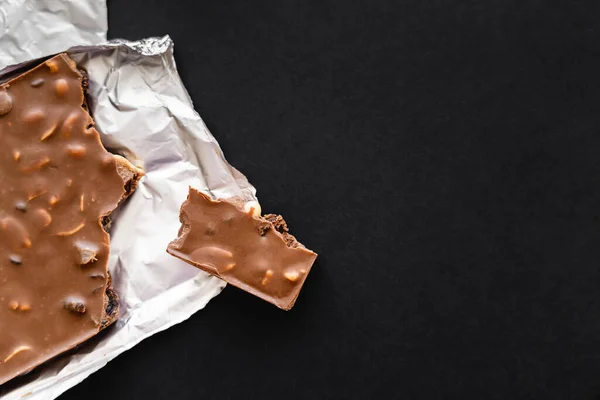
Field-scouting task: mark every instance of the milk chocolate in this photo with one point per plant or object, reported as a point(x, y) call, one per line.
point(57, 184)
point(233, 242)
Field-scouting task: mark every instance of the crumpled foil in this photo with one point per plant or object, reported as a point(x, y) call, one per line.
point(143, 111)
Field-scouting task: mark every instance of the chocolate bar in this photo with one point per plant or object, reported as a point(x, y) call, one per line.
point(232, 241)
point(59, 184)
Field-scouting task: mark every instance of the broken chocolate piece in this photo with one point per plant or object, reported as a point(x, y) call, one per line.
point(256, 254)
point(52, 157)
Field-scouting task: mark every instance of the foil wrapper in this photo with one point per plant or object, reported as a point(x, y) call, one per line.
point(143, 111)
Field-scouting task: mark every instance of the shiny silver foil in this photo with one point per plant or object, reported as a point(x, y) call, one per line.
point(143, 111)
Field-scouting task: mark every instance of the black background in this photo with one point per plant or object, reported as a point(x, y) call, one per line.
point(442, 157)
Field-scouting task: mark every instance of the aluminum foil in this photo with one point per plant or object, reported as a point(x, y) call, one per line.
point(142, 110)
point(33, 28)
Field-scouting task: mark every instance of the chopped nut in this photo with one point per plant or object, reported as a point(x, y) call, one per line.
point(87, 256)
point(15, 352)
point(68, 124)
point(76, 306)
point(16, 231)
point(21, 206)
point(35, 195)
point(291, 276)
point(230, 267)
point(24, 307)
point(52, 66)
point(268, 274)
point(62, 87)
point(76, 150)
point(15, 259)
point(216, 252)
point(72, 231)
point(53, 200)
point(16, 155)
point(5, 102)
point(49, 132)
point(33, 115)
point(37, 82)
point(86, 253)
point(13, 305)
point(81, 202)
point(44, 216)
point(37, 165)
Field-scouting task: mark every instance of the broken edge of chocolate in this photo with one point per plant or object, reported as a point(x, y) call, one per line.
point(63, 185)
point(229, 239)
